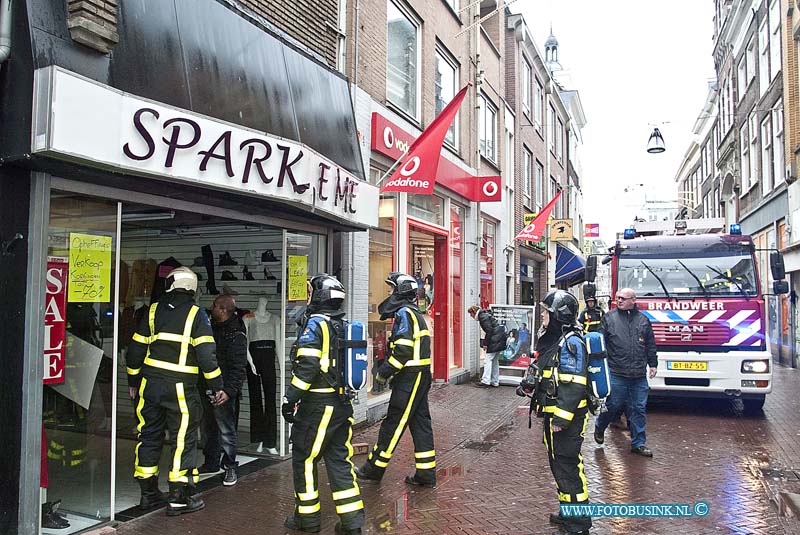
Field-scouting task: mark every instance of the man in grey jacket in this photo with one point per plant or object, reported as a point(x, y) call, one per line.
point(632, 358)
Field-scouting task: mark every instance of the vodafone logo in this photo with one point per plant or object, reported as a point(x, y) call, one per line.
point(391, 142)
point(490, 189)
point(409, 183)
point(410, 166)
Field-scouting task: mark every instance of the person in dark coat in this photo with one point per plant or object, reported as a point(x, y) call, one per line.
point(632, 358)
point(495, 343)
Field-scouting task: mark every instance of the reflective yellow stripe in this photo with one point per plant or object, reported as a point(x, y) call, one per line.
point(299, 383)
point(315, 449)
point(327, 390)
point(582, 497)
point(570, 378)
point(404, 342)
point(141, 339)
point(180, 440)
point(202, 340)
point(421, 362)
point(307, 509)
point(547, 373)
point(151, 316)
point(423, 332)
point(349, 507)
point(401, 425)
point(582, 404)
point(382, 464)
point(561, 413)
point(349, 447)
point(170, 337)
point(139, 407)
point(187, 335)
point(425, 454)
point(324, 360)
point(308, 496)
point(395, 363)
point(309, 352)
point(342, 494)
point(164, 365)
point(212, 374)
point(426, 466)
point(133, 371)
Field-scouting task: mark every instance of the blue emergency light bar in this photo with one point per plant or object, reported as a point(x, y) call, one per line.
point(629, 233)
point(736, 229)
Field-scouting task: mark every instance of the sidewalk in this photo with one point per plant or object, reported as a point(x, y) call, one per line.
point(494, 477)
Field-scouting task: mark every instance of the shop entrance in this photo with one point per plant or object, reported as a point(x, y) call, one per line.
point(428, 261)
point(107, 262)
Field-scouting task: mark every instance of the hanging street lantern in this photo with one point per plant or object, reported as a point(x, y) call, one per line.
point(655, 145)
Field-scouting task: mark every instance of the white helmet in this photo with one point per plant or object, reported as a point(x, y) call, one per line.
point(183, 278)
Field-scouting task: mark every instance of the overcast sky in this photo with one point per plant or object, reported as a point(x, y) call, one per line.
point(635, 64)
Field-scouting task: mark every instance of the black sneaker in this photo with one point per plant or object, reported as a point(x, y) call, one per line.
point(209, 469)
point(292, 523)
point(644, 451)
point(231, 477)
point(268, 256)
point(182, 501)
point(599, 436)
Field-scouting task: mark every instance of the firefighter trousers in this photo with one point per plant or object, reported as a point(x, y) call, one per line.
point(323, 428)
point(164, 404)
point(566, 463)
point(408, 407)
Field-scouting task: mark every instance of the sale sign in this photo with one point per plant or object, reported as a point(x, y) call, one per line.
point(55, 319)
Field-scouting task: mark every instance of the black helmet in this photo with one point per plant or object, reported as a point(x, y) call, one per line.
point(403, 285)
point(562, 305)
point(327, 293)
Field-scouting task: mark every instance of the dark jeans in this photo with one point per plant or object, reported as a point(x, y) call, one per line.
point(628, 396)
point(219, 428)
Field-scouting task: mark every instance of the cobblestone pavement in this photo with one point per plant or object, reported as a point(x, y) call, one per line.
point(494, 477)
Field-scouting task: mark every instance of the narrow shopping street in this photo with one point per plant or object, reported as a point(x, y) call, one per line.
point(494, 478)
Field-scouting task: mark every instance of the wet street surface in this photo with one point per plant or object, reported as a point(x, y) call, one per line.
point(494, 478)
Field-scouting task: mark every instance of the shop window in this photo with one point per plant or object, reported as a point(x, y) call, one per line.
point(446, 79)
point(487, 128)
point(402, 76)
point(527, 168)
point(457, 304)
point(487, 263)
point(526, 87)
point(428, 208)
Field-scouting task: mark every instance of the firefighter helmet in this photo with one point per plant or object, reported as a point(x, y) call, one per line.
point(403, 285)
point(325, 292)
point(182, 278)
point(562, 305)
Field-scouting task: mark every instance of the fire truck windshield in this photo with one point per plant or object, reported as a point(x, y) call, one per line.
point(706, 276)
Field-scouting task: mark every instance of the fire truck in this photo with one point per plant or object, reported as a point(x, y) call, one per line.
point(701, 290)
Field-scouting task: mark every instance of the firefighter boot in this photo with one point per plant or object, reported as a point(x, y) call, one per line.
point(182, 500)
point(294, 523)
point(368, 473)
point(151, 496)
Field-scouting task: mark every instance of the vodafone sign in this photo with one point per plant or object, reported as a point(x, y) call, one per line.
point(392, 141)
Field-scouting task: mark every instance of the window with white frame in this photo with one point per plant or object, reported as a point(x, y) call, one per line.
point(509, 158)
point(774, 39)
point(537, 104)
point(551, 128)
point(751, 60)
point(527, 171)
point(402, 66)
point(453, 4)
point(553, 190)
point(716, 208)
point(741, 76)
point(539, 186)
point(560, 140)
point(744, 151)
point(763, 59)
point(526, 87)
point(752, 123)
point(766, 156)
point(777, 143)
point(445, 82)
point(487, 124)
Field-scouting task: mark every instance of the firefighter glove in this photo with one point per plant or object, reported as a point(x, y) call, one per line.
point(287, 410)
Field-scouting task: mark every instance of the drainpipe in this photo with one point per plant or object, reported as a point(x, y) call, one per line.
point(5, 29)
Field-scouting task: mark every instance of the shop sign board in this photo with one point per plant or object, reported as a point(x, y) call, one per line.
point(81, 120)
point(542, 243)
point(55, 319)
point(561, 230)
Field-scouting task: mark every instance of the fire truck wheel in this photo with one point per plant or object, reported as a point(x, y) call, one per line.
point(754, 405)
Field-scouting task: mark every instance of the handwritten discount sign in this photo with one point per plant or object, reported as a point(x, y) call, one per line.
point(89, 268)
point(298, 272)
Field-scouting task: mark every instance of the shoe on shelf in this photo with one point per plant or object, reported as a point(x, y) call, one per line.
point(268, 256)
point(228, 276)
point(272, 451)
point(268, 275)
point(51, 518)
point(412, 480)
point(291, 522)
point(644, 451)
point(227, 260)
point(247, 274)
point(231, 477)
point(599, 436)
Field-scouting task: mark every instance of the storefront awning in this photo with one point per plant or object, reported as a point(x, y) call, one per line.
point(569, 266)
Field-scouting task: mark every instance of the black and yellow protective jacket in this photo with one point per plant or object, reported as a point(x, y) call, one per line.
point(314, 359)
point(409, 345)
point(174, 341)
point(561, 388)
point(590, 319)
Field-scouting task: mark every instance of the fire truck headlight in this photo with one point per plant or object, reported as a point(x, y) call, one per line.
point(755, 366)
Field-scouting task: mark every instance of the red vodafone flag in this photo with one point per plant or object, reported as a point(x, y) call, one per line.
point(535, 229)
point(417, 172)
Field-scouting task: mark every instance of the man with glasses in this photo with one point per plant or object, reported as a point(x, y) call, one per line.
point(632, 358)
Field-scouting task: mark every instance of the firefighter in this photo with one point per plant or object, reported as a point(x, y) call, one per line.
point(321, 414)
point(561, 400)
point(409, 363)
point(173, 344)
point(591, 316)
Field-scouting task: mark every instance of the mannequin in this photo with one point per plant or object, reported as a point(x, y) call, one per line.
point(263, 331)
